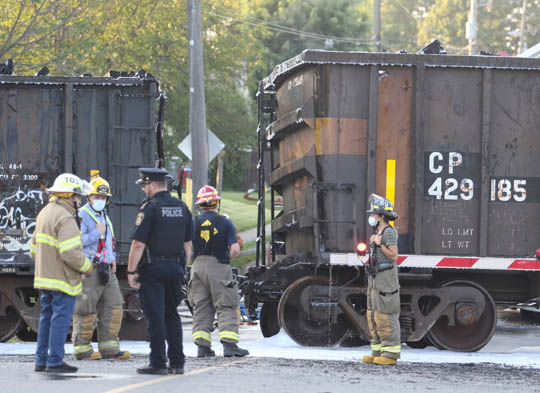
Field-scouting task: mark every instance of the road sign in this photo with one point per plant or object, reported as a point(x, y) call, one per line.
point(215, 145)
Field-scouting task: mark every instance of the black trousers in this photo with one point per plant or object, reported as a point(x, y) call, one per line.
point(160, 295)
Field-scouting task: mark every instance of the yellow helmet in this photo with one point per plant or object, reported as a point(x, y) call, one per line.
point(100, 186)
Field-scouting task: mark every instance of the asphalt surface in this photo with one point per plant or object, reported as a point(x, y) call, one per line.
point(270, 375)
point(277, 374)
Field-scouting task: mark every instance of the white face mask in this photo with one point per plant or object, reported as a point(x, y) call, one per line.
point(99, 204)
point(373, 221)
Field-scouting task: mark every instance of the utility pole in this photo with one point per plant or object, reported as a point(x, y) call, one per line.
point(197, 109)
point(471, 27)
point(377, 25)
point(523, 28)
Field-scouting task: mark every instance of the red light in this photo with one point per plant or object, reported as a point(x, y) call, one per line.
point(361, 248)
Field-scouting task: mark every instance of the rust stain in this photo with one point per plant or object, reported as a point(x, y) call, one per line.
point(393, 138)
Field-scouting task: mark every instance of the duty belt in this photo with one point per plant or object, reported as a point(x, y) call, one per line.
point(162, 258)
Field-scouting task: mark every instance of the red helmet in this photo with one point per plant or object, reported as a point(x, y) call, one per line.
point(207, 194)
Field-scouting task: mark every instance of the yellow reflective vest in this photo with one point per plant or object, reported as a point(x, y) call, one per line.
point(56, 248)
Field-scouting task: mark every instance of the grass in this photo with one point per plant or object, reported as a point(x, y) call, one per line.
point(243, 213)
point(242, 261)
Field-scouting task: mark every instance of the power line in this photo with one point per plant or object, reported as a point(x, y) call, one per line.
point(300, 33)
point(252, 21)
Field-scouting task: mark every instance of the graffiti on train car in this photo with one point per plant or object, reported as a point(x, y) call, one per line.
point(18, 210)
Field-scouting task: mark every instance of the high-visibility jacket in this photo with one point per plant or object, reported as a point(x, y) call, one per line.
point(56, 248)
point(90, 235)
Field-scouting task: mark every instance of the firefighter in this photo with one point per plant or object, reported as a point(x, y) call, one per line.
point(383, 303)
point(100, 303)
point(212, 287)
point(56, 248)
point(161, 244)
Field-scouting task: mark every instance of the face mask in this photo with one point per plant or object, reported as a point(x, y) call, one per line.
point(99, 204)
point(373, 221)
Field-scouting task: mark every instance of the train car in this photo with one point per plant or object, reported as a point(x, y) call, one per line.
point(452, 141)
point(50, 125)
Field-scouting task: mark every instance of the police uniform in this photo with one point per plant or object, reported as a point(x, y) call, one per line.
point(212, 287)
point(163, 224)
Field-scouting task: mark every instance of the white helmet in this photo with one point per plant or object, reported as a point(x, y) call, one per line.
point(68, 184)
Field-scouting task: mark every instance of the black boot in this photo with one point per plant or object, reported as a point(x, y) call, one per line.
point(152, 370)
point(230, 350)
point(205, 352)
point(62, 368)
point(176, 370)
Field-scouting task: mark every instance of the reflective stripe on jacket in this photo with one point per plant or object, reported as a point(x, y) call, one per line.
point(56, 248)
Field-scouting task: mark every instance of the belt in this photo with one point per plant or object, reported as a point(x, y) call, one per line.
point(162, 258)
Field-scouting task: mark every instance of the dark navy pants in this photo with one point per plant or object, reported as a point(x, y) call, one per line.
point(55, 318)
point(160, 295)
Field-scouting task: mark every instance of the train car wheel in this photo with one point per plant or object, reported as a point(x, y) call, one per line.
point(420, 344)
point(9, 324)
point(269, 319)
point(466, 337)
point(25, 333)
point(303, 326)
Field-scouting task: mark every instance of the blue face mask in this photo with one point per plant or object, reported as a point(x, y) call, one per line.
point(99, 204)
point(373, 221)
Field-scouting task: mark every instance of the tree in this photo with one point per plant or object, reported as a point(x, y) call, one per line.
point(94, 36)
point(401, 20)
point(446, 21)
point(287, 27)
point(33, 31)
point(496, 21)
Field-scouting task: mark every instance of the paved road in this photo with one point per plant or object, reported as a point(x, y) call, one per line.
point(261, 375)
point(277, 367)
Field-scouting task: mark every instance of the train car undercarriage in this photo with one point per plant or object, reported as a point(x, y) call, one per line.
point(326, 305)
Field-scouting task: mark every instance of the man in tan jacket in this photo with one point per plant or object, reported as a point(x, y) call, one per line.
point(59, 262)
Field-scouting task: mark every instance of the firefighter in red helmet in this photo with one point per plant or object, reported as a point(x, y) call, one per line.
point(212, 286)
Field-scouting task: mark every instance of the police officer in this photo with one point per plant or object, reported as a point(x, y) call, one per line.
point(383, 304)
point(161, 240)
point(212, 287)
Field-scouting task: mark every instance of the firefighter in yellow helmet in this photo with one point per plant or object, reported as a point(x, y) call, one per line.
point(383, 304)
point(100, 303)
point(56, 248)
point(212, 287)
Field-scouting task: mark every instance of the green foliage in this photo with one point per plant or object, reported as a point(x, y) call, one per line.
point(73, 37)
point(243, 41)
point(498, 25)
point(401, 21)
point(446, 22)
point(284, 18)
point(243, 213)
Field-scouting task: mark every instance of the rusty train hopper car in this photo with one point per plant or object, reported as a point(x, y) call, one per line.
point(453, 141)
point(50, 125)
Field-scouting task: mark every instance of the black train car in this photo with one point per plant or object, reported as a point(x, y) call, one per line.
point(453, 141)
point(50, 125)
